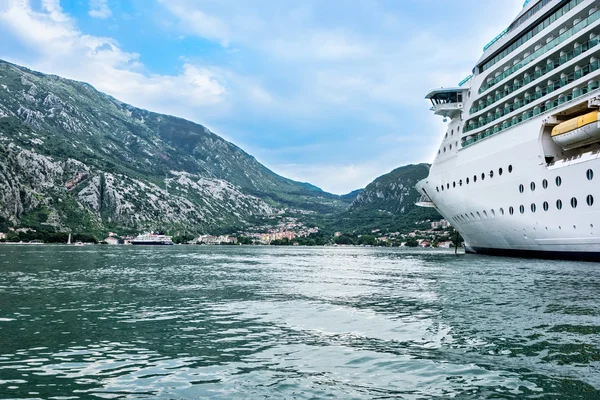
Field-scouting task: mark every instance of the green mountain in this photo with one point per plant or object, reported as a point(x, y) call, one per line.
point(77, 159)
point(387, 203)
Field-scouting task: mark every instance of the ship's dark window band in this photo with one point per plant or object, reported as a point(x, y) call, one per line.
point(521, 188)
point(558, 181)
point(545, 206)
point(531, 33)
point(532, 75)
point(545, 184)
point(573, 202)
point(589, 200)
point(558, 204)
point(589, 174)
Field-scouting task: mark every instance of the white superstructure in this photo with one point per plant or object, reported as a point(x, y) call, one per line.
point(518, 170)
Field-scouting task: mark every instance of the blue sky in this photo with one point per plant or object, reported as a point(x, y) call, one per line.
point(327, 92)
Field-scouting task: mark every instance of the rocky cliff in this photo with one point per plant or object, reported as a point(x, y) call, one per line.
point(77, 159)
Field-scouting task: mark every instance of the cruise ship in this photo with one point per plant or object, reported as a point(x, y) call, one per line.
point(518, 169)
point(152, 239)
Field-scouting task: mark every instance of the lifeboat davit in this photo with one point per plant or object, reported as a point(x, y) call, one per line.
point(578, 131)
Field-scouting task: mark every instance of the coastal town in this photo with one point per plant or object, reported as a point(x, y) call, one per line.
point(287, 231)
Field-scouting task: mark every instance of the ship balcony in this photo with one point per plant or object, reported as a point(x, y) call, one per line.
point(446, 102)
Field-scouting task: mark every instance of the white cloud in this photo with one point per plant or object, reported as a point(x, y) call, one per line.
point(99, 9)
point(59, 47)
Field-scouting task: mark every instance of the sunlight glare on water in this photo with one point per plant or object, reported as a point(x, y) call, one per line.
point(190, 322)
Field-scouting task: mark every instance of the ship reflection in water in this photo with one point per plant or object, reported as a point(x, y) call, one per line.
point(190, 322)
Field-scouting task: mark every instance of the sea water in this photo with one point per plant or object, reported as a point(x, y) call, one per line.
point(188, 322)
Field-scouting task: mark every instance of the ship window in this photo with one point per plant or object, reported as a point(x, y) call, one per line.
point(510, 169)
point(474, 178)
point(447, 186)
point(522, 209)
point(460, 182)
point(450, 146)
point(521, 188)
point(545, 184)
point(573, 202)
point(500, 171)
point(467, 181)
point(533, 208)
point(545, 205)
point(558, 181)
point(589, 174)
point(478, 215)
point(442, 188)
point(532, 186)
point(491, 174)
point(484, 214)
point(511, 210)
point(437, 188)
point(559, 204)
point(590, 200)
point(452, 132)
point(472, 217)
point(493, 213)
point(454, 184)
point(482, 176)
point(501, 211)
point(444, 149)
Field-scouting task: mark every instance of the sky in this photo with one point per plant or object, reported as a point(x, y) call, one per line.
point(327, 92)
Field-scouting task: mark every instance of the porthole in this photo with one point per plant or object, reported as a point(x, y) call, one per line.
point(545, 206)
point(521, 188)
point(473, 216)
point(511, 210)
point(558, 181)
point(510, 169)
point(500, 171)
point(573, 202)
point(467, 181)
point(437, 189)
point(450, 146)
point(484, 214)
point(501, 211)
point(493, 213)
point(589, 200)
point(522, 209)
point(545, 184)
point(442, 188)
point(478, 215)
point(444, 149)
point(559, 204)
point(533, 208)
point(482, 176)
point(532, 186)
point(491, 174)
point(474, 178)
point(460, 183)
point(447, 186)
point(589, 174)
point(454, 184)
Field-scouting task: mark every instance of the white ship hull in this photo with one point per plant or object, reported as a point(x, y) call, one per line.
point(498, 186)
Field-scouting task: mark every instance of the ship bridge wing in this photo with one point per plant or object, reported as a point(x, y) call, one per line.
point(447, 102)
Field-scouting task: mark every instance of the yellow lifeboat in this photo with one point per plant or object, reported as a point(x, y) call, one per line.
point(578, 131)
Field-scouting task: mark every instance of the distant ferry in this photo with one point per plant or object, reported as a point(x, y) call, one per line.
point(152, 239)
point(518, 167)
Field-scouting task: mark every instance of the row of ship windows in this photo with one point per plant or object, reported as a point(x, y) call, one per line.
point(545, 206)
point(531, 33)
point(540, 70)
point(483, 175)
point(540, 49)
point(589, 174)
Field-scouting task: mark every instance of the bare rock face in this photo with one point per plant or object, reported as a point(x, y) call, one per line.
point(91, 162)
